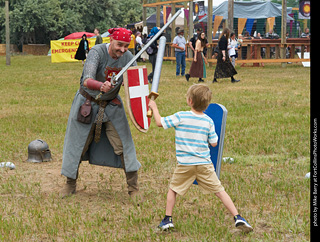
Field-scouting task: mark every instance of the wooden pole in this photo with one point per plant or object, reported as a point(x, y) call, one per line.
point(209, 28)
point(190, 52)
point(283, 32)
point(230, 15)
point(185, 26)
point(190, 19)
point(158, 15)
point(8, 58)
point(144, 13)
point(173, 25)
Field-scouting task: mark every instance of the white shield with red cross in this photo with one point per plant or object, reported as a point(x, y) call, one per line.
point(137, 91)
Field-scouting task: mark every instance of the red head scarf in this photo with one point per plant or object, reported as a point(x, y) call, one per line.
point(121, 34)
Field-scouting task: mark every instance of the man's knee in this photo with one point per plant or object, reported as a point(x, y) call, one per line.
point(114, 138)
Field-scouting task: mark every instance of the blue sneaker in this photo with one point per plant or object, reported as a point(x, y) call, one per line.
point(242, 224)
point(166, 224)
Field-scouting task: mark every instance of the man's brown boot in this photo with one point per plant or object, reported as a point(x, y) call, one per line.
point(133, 187)
point(69, 188)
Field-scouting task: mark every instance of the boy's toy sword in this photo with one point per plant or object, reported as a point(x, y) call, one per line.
point(115, 78)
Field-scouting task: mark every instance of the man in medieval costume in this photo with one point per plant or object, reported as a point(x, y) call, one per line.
point(98, 130)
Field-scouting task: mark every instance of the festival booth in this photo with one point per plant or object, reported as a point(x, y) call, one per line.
point(246, 14)
point(64, 50)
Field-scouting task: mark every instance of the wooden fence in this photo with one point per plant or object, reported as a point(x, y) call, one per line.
point(13, 49)
point(35, 49)
point(256, 51)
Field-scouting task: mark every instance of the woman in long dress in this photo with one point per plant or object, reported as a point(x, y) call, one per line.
point(224, 67)
point(83, 49)
point(198, 67)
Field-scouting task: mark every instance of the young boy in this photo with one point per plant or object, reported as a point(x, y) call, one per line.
point(194, 131)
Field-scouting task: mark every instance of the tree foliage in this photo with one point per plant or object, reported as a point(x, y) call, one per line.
point(39, 21)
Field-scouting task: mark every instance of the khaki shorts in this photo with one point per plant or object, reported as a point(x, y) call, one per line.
point(184, 176)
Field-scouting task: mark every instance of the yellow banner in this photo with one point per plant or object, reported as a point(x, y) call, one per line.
point(270, 22)
point(65, 50)
point(241, 24)
point(216, 23)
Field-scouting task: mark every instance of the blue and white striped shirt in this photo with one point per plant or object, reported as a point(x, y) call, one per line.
point(193, 134)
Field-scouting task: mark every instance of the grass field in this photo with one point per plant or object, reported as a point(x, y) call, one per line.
point(267, 134)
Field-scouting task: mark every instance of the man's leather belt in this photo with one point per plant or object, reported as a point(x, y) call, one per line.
point(102, 105)
point(114, 101)
point(87, 96)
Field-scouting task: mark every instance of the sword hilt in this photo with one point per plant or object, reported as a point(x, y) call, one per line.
point(113, 83)
point(153, 96)
point(114, 80)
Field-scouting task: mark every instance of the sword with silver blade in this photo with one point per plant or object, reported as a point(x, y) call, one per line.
point(156, 74)
point(115, 79)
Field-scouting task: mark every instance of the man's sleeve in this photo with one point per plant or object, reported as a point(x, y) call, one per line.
point(174, 40)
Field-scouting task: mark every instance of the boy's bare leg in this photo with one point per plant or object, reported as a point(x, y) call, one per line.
point(240, 222)
point(226, 200)
point(166, 223)
point(171, 200)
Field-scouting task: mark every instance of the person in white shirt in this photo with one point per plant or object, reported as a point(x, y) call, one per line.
point(139, 46)
point(233, 48)
point(179, 43)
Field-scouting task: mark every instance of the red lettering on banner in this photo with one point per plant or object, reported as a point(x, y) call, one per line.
point(67, 43)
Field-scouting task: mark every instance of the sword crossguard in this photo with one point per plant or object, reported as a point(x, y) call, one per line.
point(113, 83)
point(153, 96)
point(113, 79)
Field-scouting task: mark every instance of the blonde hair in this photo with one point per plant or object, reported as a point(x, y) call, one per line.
point(200, 94)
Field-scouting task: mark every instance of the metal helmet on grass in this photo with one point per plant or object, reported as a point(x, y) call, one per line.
point(38, 151)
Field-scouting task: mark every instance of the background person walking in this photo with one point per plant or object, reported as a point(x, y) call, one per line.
point(179, 43)
point(233, 48)
point(83, 49)
point(198, 67)
point(224, 67)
